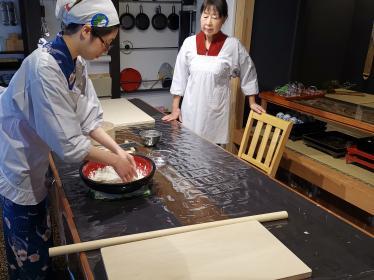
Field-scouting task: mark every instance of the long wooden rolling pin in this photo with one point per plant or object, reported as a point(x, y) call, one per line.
point(97, 244)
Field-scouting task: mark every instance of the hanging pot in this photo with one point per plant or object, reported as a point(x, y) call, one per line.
point(159, 20)
point(127, 20)
point(173, 20)
point(130, 79)
point(142, 20)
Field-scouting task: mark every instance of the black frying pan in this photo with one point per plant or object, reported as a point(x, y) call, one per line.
point(173, 20)
point(142, 20)
point(127, 20)
point(159, 20)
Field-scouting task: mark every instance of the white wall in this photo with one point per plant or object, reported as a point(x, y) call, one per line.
point(148, 62)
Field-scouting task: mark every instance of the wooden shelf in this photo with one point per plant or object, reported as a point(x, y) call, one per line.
point(12, 52)
point(334, 181)
point(337, 182)
point(9, 65)
point(269, 97)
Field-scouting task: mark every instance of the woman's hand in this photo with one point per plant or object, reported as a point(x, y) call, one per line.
point(257, 108)
point(175, 115)
point(125, 166)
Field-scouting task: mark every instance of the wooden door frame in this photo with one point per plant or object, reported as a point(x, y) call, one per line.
point(243, 31)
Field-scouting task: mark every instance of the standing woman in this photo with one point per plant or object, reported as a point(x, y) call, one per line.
point(204, 66)
point(51, 105)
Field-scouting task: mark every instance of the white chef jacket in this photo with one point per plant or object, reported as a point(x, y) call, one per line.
point(204, 83)
point(50, 104)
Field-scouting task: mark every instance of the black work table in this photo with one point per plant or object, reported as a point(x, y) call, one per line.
point(202, 182)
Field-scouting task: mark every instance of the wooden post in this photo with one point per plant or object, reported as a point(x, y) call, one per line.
point(114, 65)
point(31, 25)
point(243, 31)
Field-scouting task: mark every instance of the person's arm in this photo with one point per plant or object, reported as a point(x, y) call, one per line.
point(104, 139)
point(124, 164)
point(254, 106)
point(175, 111)
point(179, 83)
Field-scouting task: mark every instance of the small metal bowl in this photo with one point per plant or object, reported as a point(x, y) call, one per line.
point(150, 137)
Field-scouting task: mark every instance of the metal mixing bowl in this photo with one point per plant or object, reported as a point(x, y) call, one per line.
point(150, 137)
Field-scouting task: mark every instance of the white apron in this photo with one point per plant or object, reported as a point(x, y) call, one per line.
point(204, 83)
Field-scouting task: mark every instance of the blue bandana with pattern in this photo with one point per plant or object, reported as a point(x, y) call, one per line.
point(59, 50)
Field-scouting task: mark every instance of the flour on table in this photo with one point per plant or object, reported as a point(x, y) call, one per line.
point(109, 175)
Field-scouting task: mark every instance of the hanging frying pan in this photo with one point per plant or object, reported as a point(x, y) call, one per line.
point(127, 20)
point(159, 20)
point(130, 79)
point(173, 20)
point(142, 20)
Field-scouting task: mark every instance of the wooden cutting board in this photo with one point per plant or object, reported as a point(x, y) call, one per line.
point(237, 251)
point(122, 112)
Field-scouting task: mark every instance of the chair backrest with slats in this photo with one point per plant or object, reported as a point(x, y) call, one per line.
point(267, 144)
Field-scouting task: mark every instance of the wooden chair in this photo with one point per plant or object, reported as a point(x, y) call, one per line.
point(268, 142)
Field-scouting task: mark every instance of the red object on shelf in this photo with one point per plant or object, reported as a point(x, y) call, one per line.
point(130, 79)
point(358, 156)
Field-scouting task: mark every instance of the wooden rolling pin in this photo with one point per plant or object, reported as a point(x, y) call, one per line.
point(97, 244)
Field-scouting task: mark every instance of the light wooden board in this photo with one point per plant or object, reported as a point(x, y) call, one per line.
point(122, 112)
point(367, 98)
point(371, 104)
point(237, 251)
point(336, 163)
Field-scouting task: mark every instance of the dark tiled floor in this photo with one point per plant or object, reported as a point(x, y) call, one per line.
point(3, 269)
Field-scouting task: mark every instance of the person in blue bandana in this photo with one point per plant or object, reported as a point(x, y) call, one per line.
point(51, 105)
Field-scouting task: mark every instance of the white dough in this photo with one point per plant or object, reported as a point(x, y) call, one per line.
point(108, 174)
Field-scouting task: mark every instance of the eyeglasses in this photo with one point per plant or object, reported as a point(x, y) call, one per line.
point(107, 46)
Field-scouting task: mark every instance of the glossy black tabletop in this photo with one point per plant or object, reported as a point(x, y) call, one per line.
point(201, 182)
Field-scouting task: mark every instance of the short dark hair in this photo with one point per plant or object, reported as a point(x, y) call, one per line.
point(73, 28)
point(220, 5)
